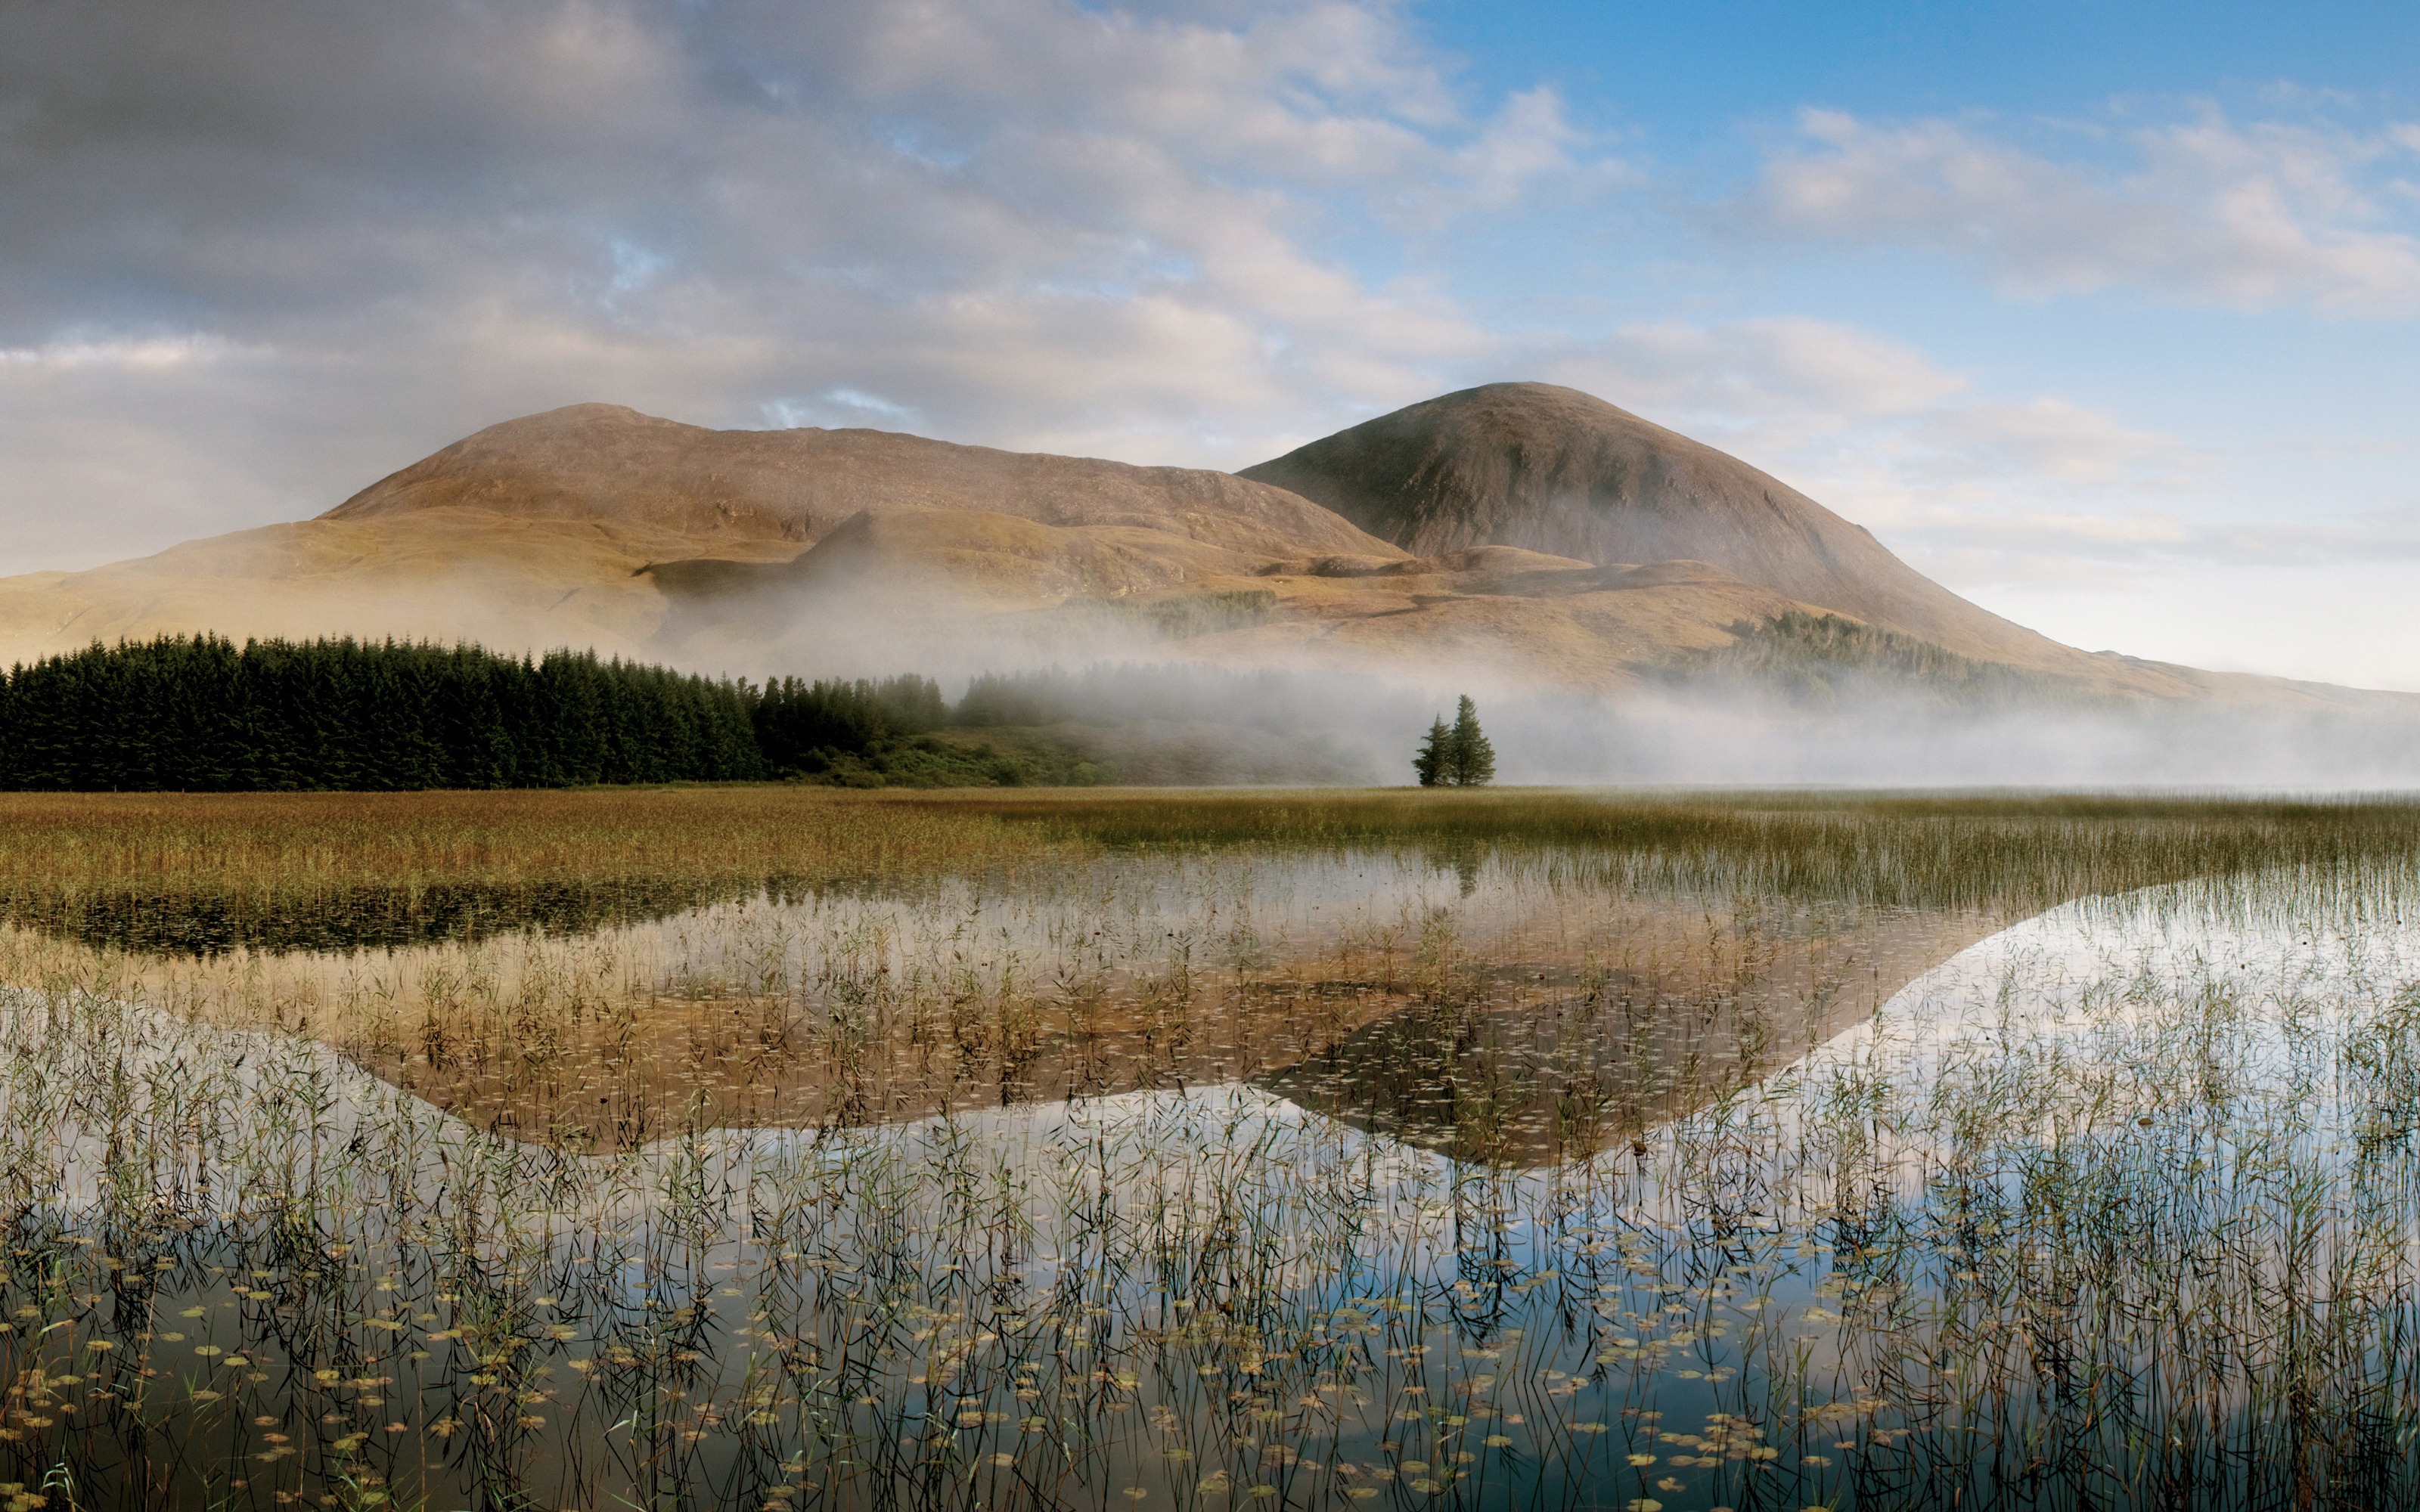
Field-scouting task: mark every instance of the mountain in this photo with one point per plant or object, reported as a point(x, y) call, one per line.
point(604, 464)
point(1556, 470)
point(1529, 535)
point(583, 526)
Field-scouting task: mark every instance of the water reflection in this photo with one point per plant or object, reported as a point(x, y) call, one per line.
point(2124, 1191)
point(1533, 1062)
point(208, 924)
point(1516, 1007)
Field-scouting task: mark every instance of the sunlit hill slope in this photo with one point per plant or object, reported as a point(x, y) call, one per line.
point(1530, 532)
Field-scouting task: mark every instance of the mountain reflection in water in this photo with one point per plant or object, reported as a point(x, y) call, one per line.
point(2057, 1201)
point(1514, 1008)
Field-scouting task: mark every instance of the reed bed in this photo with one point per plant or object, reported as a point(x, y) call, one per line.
point(288, 845)
point(1927, 850)
point(848, 1006)
point(2142, 1238)
point(1531, 1150)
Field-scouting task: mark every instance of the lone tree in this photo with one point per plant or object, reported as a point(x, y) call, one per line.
point(1472, 759)
point(1456, 755)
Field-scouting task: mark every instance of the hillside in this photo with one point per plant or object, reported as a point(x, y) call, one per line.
point(606, 464)
point(1522, 534)
point(1556, 470)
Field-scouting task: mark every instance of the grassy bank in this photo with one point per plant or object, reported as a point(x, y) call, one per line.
point(1915, 849)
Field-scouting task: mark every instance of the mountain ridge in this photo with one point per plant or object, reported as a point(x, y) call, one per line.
point(1524, 533)
point(602, 462)
point(1554, 469)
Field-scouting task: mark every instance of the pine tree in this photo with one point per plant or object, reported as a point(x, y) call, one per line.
point(1430, 765)
point(1470, 760)
point(202, 713)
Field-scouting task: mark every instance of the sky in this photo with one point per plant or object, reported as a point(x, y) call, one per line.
point(2101, 314)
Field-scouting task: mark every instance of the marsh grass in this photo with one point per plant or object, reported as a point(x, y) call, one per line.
point(580, 967)
point(841, 1006)
point(269, 846)
point(1882, 849)
point(2143, 1242)
point(1491, 1160)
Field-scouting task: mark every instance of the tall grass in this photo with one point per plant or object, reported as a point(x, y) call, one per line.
point(290, 843)
point(857, 1004)
point(1533, 1150)
point(1920, 850)
point(2116, 1217)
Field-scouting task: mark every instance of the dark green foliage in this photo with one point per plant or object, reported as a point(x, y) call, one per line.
point(1429, 765)
point(806, 727)
point(883, 734)
point(1458, 755)
point(202, 715)
point(956, 762)
point(1470, 758)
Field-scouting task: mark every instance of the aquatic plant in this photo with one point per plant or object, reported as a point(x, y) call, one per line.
point(1145, 1154)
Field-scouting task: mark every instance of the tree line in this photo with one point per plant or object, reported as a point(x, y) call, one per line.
point(201, 714)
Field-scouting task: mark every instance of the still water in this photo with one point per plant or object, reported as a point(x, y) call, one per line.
point(1480, 1180)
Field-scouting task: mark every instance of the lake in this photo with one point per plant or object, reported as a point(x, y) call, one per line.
point(1582, 1150)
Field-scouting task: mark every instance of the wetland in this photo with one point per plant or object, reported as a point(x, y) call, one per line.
point(780, 1148)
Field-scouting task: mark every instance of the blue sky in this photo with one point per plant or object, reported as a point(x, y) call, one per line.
point(2101, 314)
point(1717, 64)
point(2289, 406)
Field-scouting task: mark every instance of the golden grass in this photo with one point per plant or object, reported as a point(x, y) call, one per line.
point(1074, 971)
point(290, 842)
point(2144, 1216)
point(1881, 847)
point(530, 960)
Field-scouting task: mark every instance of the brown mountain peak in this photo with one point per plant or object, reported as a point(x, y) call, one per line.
point(607, 464)
point(1554, 469)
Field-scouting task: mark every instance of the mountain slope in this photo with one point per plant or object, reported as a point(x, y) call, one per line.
point(1556, 470)
point(1519, 535)
point(604, 463)
point(569, 528)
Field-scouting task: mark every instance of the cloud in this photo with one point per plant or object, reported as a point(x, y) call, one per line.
point(2054, 440)
point(1973, 489)
point(143, 354)
point(1979, 493)
point(1029, 223)
point(2202, 210)
point(2162, 553)
point(1798, 390)
point(1766, 376)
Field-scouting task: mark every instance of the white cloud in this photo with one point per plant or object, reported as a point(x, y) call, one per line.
point(138, 354)
point(2201, 210)
point(2050, 440)
point(1868, 413)
point(1773, 377)
point(1973, 489)
point(1978, 493)
point(1029, 223)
